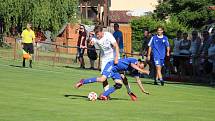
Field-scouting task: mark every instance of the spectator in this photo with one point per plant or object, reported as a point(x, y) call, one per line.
point(119, 38)
point(194, 50)
point(81, 45)
point(145, 42)
point(176, 50)
point(185, 45)
point(184, 54)
point(91, 51)
point(28, 39)
point(211, 57)
point(159, 46)
point(206, 40)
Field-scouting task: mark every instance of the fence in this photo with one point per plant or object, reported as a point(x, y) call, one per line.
point(52, 54)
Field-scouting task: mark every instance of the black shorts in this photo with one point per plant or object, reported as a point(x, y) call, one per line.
point(176, 61)
point(28, 47)
point(80, 52)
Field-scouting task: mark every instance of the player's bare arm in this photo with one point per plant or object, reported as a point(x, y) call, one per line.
point(141, 85)
point(116, 47)
point(139, 69)
point(149, 54)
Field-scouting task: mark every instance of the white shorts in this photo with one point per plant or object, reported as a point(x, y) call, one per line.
point(104, 61)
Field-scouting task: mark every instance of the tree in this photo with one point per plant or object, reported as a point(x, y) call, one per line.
point(46, 14)
point(194, 13)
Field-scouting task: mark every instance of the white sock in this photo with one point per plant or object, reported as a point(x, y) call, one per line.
point(128, 88)
point(106, 87)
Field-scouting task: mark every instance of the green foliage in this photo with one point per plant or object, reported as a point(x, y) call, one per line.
point(87, 21)
point(46, 14)
point(193, 13)
point(171, 27)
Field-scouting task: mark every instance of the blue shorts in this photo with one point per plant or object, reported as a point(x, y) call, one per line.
point(109, 73)
point(159, 62)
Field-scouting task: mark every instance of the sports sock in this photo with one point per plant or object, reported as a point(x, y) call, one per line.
point(161, 79)
point(30, 63)
point(106, 87)
point(128, 88)
point(90, 80)
point(109, 91)
point(23, 62)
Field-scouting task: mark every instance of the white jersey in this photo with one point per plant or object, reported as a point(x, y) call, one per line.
point(105, 45)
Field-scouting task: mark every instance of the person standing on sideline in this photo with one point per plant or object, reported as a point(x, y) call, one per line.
point(176, 51)
point(119, 38)
point(28, 39)
point(160, 48)
point(91, 51)
point(82, 45)
point(145, 41)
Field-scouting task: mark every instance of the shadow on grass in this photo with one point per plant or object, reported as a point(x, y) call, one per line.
point(177, 83)
point(78, 68)
point(85, 97)
point(16, 66)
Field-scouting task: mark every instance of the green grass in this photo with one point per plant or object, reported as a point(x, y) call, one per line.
point(38, 95)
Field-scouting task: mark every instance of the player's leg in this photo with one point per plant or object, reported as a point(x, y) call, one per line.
point(90, 80)
point(31, 52)
point(25, 48)
point(130, 93)
point(156, 63)
point(103, 64)
point(105, 74)
point(105, 94)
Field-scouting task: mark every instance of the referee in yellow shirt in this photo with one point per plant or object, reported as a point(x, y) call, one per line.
point(28, 37)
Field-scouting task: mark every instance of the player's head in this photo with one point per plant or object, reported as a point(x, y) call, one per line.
point(179, 34)
point(29, 25)
point(205, 34)
point(82, 28)
point(185, 35)
point(98, 31)
point(141, 64)
point(160, 30)
point(116, 27)
point(194, 34)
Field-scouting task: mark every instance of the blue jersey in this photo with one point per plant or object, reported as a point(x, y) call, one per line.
point(124, 64)
point(113, 70)
point(159, 46)
point(118, 35)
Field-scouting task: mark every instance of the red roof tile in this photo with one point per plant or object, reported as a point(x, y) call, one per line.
point(117, 16)
point(211, 7)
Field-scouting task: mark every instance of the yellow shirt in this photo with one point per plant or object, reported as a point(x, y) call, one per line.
point(28, 36)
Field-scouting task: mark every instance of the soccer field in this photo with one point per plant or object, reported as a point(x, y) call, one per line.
point(46, 93)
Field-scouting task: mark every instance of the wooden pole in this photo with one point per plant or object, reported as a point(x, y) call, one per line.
point(86, 10)
point(14, 52)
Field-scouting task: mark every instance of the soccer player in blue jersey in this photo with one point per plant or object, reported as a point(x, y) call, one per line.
point(160, 48)
point(112, 70)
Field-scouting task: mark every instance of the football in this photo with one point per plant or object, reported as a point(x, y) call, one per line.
point(92, 96)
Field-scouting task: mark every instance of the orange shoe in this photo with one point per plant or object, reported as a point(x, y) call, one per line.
point(133, 96)
point(102, 97)
point(79, 84)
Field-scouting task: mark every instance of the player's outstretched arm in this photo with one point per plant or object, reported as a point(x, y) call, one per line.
point(139, 69)
point(141, 85)
point(115, 45)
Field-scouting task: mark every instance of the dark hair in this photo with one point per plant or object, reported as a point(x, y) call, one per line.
point(185, 34)
point(160, 27)
point(179, 32)
point(98, 29)
point(116, 24)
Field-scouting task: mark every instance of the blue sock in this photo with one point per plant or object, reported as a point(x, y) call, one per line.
point(89, 80)
point(109, 91)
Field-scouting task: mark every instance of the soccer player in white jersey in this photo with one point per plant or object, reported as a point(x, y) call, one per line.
point(109, 52)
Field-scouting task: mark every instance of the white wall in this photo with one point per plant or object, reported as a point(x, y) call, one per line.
point(133, 4)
